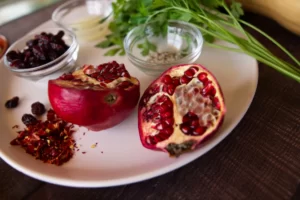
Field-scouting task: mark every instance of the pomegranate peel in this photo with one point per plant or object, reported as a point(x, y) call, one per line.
point(95, 97)
point(180, 109)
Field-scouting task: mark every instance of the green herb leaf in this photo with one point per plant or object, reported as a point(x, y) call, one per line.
point(112, 52)
point(236, 9)
point(104, 44)
point(208, 38)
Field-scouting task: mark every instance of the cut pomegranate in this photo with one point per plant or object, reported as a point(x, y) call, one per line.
point(95, 97)
point(180, 109)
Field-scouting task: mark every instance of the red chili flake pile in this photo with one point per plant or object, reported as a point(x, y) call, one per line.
point(50, 141)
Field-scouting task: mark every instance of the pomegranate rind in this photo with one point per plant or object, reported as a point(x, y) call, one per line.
point(192, 142)
point(96, 109)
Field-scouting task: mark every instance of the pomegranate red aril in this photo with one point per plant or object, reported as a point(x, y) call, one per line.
point(162, 99)
point(199, 131)
point(188, 112)
point(97, 97)
point(202, 77)
point(169, 121)
point(217, 103)
point(195, 123)
point(67, 77)
point(209, 90)
point(169, 130)
point(185, 80)
point(176, 82)
point(167, 79)
point(190, 73)
point(185, 128)
point(166, 114)
point(170, 89)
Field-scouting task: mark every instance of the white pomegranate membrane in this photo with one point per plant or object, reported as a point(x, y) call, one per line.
point(180, 109)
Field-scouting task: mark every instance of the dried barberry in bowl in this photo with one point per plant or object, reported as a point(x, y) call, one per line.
point(40, 50)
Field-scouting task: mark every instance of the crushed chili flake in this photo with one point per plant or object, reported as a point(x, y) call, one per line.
point(50, 141)
point(84, 133)
point(15, 126)
point(83, 152)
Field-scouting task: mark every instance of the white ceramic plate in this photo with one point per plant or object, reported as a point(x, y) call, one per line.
point(119, 157)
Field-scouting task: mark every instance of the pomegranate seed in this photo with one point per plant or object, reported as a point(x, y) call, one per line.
point(125, 84)
point(195, 123)
point(209, 90)
point(160, 127)
point(217, 103)
point(196, 90)
point(165, 88)
point(158, 138)
point(171, 89)
point(150, 140)
point(126, 74)
point(185, 129)
point(100, 67)
point(176, 82)
point(194, 68)
point(162, 99)
point(100, 78)
point(107, 81)
point(167, 79)
point(94, 75)
point(169, 130)
point(199, 131)
point(164, 107)
point(213, 91)
point(185, 80)
point(166, 115)
point(67, 77)
point(185, 118)
point(207, 82)
point(155, 107)
point(102, 85)
point(169, 121)
point(202, 77)
point(190, 73)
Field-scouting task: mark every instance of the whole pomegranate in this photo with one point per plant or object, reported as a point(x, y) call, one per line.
point(180, 109)
point(95, 97)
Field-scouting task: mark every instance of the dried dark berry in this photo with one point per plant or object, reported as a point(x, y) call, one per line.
point(29, 119)
point(60, 34)
point(42, 49)
point(12, 103)
point(12, 55)
point(38, 108)
point(31, 43)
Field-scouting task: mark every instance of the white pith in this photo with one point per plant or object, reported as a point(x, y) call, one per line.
point(205, 114)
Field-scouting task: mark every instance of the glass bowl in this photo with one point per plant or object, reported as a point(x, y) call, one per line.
point(84, 18)
point(65, 62)
point(182, 44)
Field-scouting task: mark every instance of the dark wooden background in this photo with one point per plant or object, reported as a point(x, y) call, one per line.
point(260, 159)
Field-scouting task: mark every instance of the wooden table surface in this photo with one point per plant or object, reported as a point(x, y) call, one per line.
point(260, 159)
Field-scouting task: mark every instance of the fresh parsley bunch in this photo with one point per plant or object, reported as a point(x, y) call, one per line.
point(216, 19)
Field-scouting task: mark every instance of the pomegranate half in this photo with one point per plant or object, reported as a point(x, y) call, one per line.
point(180, 109)
point(95, 97)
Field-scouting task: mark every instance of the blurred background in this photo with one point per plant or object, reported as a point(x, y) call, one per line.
point(13, 9)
